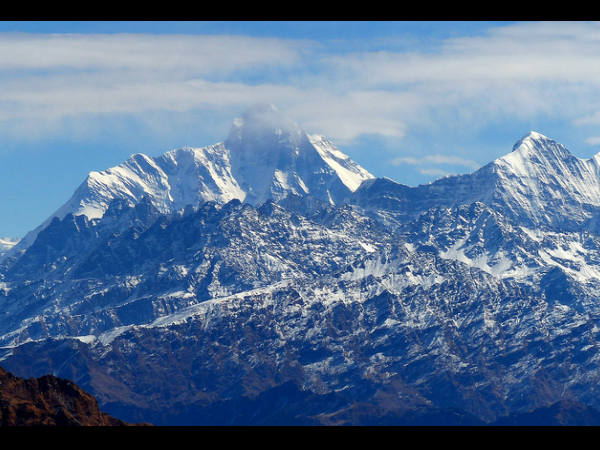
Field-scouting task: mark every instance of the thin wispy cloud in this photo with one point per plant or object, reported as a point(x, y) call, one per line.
point(434, 172)
point(157, 54)
point(593, 140)
point(523, 52)
point(436, 159)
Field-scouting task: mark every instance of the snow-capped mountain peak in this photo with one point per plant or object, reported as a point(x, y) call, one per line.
point(536, 145)
point(539, 183)
point(530, 140)
point(266, 156)
point(541, 176)
point(271, 156)
point(545, 169)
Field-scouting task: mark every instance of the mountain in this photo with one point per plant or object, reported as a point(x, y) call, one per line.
point(48, 401)
point(540, 184)
point(266, 155)
point(271, 280)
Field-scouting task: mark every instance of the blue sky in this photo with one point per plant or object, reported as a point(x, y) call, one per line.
point(412, 101)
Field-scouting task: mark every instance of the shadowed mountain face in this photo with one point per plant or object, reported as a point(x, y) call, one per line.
point(271, 280)
point(564, 413)
point(48, 401)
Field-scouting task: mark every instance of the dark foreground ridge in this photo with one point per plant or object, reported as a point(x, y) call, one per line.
point(48, 400)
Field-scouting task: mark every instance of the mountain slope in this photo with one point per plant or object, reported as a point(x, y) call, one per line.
point(398, 330)
point(563, 413)
point(48, 401)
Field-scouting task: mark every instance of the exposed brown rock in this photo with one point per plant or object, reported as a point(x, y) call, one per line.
point(48, 400)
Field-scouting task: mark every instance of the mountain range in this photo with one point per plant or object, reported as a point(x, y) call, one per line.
point(269, 279)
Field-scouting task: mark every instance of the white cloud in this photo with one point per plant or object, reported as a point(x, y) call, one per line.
point(435, 159)
point(175, 54)
point(589, 119)
point(593, 140)
point(434, 172)
point(520, 71)
point(515, 71)
point(49, 76)
point(401, 160)
point(554, 51)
